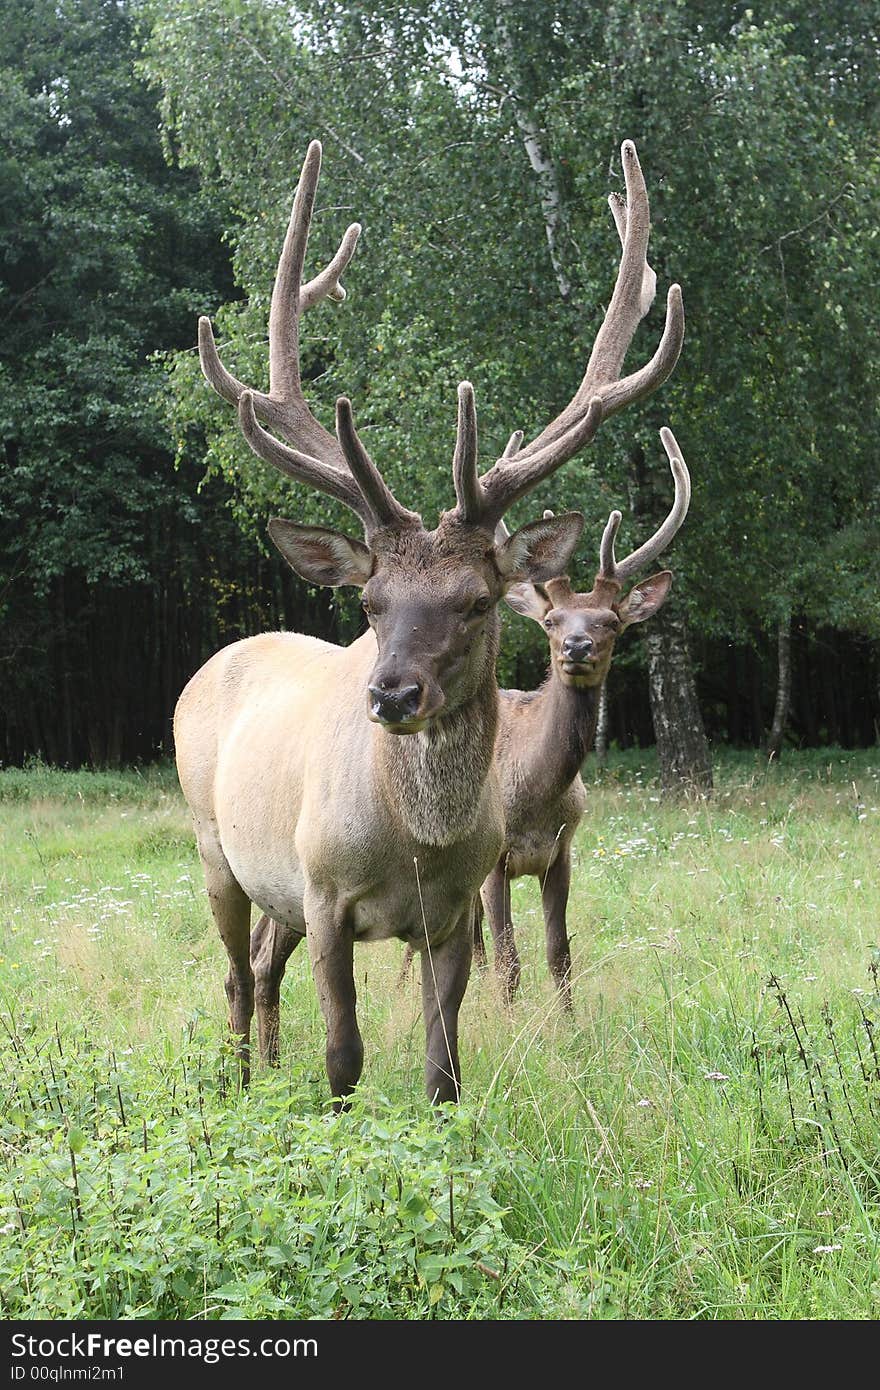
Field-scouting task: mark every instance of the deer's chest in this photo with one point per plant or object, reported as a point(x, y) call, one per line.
point(536, 827)
point(399, 887)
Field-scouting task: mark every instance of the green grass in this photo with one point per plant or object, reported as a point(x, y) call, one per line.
point(699, 1141)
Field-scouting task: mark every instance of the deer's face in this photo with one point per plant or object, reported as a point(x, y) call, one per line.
point(581, 642)
point(583, 628)
point(431, 599)
point(434, 618)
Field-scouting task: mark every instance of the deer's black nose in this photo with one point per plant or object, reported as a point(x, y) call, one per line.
point(577, 648)
point(397, 706)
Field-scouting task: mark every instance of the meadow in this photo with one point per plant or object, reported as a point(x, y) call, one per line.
point(700, 1139)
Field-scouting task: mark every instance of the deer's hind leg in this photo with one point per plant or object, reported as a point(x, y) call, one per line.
point(480, 958)
point(231, 908)
point(495, 894)
point(271, 945)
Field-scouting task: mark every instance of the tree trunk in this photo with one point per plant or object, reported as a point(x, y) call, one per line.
point(685, 765)
point(783, 688)
point(601, 744)
point(533, 137)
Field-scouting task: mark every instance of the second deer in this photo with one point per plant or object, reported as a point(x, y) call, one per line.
point(544, 735)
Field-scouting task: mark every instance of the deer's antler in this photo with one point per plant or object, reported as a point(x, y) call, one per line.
point(603, 391)
point(611, 568)
point(340, 467)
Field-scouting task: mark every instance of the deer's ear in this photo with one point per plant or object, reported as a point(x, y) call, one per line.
point(531, 600)
point(541, 550)
point(322, 556)
point(643, 601)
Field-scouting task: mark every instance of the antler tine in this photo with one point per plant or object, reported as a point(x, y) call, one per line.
point(621, 570)
point(618, 205)
point(300, 466)
point(513, 445)
point(223, 382)
point(633, 295)
point(326, 284)
point(636, 282)
point(515, 475)
point(284, 310)
point(602, 391)
point(464, 461)
point(606, 548)
point(616, 394)
point(385, 508)
point(284, 408)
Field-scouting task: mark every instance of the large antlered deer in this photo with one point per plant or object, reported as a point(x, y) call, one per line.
point(544, 735)
point(307, 798)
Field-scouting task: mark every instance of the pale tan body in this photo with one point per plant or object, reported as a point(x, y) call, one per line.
point(316, 818)
point(543, 737)
point(299, 807)
point(540, 816)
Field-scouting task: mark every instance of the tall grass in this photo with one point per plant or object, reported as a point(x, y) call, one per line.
point(698, 1141)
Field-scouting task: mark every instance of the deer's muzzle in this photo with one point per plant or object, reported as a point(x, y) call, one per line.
point(402, 709)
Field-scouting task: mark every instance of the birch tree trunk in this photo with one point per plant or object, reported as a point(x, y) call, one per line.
point(685, 765)
point(550, 195)
point(601, 744)
point(783, 688)
point(539, 157)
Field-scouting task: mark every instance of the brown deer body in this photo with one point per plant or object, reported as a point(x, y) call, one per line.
point(351, 792)
point(544, 735)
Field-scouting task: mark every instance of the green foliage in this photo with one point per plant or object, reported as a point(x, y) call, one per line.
point(185, 1202)
point(106, 255)
point(757, 129)
point(37, 780)
point(760, 151)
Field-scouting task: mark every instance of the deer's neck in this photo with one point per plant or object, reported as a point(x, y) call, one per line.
point(562, 734)
point(435, 780)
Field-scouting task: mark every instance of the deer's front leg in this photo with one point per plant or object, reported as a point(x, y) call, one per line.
point(495, 894)
point(554, 900)
point(331, 952)
point(445, 971)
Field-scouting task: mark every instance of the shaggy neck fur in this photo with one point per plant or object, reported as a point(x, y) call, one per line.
point(434, 780)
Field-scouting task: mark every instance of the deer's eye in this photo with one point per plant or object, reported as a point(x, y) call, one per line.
point(549, 622)
point(482, 605)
